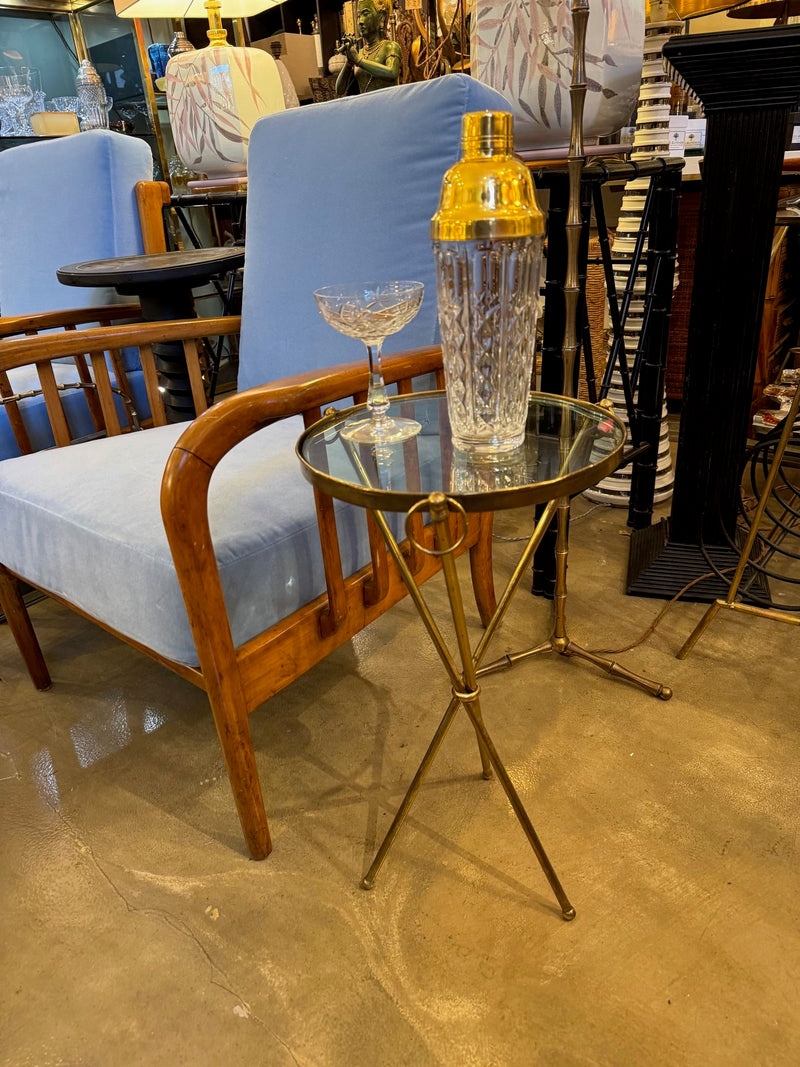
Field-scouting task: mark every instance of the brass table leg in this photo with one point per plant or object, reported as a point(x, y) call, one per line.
point(465, 687)
point(560, 641)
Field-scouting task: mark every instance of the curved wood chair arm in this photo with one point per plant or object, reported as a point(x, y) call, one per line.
point(19, 352)
point(69, 318)
point(237, 417)
point(187, 477)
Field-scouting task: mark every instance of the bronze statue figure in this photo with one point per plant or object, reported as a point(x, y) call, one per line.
point(377, 63)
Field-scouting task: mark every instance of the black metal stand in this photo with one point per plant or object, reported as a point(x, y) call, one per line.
point(644, 405)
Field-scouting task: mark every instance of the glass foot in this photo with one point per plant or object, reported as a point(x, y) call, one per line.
point(380, 431)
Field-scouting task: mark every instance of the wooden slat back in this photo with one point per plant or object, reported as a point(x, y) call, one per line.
point(55, 409)
point(333, 616)
point(195, 376)
point(14, 417)
point(151, 384)
point(89, 393)
point(25, 346)
point(121, 375)
point(105, 394)
point(378, 585)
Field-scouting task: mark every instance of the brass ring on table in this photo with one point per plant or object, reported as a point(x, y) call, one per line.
point(422, 505)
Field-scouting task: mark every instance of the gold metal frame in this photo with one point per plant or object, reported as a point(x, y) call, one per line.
point(367, 496)
point(464, 682)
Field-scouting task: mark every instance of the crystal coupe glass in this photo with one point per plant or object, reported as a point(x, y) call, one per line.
point(371, 312)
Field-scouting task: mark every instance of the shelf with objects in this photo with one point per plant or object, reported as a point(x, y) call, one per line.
point(307, 32)
point(51, 41)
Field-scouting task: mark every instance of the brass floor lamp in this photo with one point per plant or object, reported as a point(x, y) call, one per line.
point(729, 601)
point(559, 640)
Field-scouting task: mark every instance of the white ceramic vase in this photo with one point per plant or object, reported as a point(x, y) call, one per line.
point(215, 96)
point(523, 48)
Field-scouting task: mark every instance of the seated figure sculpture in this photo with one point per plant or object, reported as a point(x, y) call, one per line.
point(377, 64)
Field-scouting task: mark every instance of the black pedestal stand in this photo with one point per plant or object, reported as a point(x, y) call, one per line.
point(748, 82)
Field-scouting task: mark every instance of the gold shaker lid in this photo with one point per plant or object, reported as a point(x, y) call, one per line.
point(489, 193)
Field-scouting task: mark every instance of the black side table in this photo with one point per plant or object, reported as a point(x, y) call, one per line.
point(163, 283)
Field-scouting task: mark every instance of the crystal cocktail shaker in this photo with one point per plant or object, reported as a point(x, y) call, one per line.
point(488, 235)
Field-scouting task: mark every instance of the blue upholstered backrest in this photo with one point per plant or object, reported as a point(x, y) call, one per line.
point(63, 201)
point(344, 191)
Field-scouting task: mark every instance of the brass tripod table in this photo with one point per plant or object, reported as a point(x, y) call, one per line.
point(569, 445)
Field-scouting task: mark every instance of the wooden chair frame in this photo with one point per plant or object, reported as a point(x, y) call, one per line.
point(237, 680)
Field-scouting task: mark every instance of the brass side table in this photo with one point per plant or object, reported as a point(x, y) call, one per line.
point(569, 446)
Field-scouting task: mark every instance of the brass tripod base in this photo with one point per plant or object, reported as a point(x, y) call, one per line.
point(470, 702)
point(565, 647)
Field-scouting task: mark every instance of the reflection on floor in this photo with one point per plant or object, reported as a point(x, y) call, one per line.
point(135, 930)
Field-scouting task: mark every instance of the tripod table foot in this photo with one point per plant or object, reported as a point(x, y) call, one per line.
point(610, 666)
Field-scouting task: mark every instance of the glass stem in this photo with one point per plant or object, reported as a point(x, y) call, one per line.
point(377, 399)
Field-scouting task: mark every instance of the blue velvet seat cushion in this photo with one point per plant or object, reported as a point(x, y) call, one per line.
point(84, 522)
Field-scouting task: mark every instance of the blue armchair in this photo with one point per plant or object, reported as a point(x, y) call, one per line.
point(63, 201)
point(251, 577)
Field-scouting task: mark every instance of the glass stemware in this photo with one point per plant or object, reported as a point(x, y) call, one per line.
point(63, 103)
point(18, 86)
point(371, 312)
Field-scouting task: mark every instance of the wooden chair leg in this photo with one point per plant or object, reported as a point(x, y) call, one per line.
point(233, 729)
point(20, 625)
point(480, 564)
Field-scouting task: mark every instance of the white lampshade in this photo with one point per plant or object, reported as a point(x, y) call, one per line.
point(189, 9)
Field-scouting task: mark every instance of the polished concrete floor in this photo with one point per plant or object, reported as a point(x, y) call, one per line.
point(134, 929)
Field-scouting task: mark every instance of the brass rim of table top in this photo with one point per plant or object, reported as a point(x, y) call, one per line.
point(492, 500)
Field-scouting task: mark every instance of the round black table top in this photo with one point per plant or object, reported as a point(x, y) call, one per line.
point(196, 264)
point(569, 446)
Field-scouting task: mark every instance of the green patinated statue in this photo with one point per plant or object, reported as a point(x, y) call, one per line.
point(377, 63)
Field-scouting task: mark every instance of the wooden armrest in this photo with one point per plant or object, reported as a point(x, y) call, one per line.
point(41, 348)
point(238, 416)
point(70, 318)
point(187, 478)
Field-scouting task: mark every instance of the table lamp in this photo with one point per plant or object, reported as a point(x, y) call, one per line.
point(215, 94)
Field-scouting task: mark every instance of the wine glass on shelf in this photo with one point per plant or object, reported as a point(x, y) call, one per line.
point(371, 312)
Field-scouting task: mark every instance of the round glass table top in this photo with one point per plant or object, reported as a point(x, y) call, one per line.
point(569, 446)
